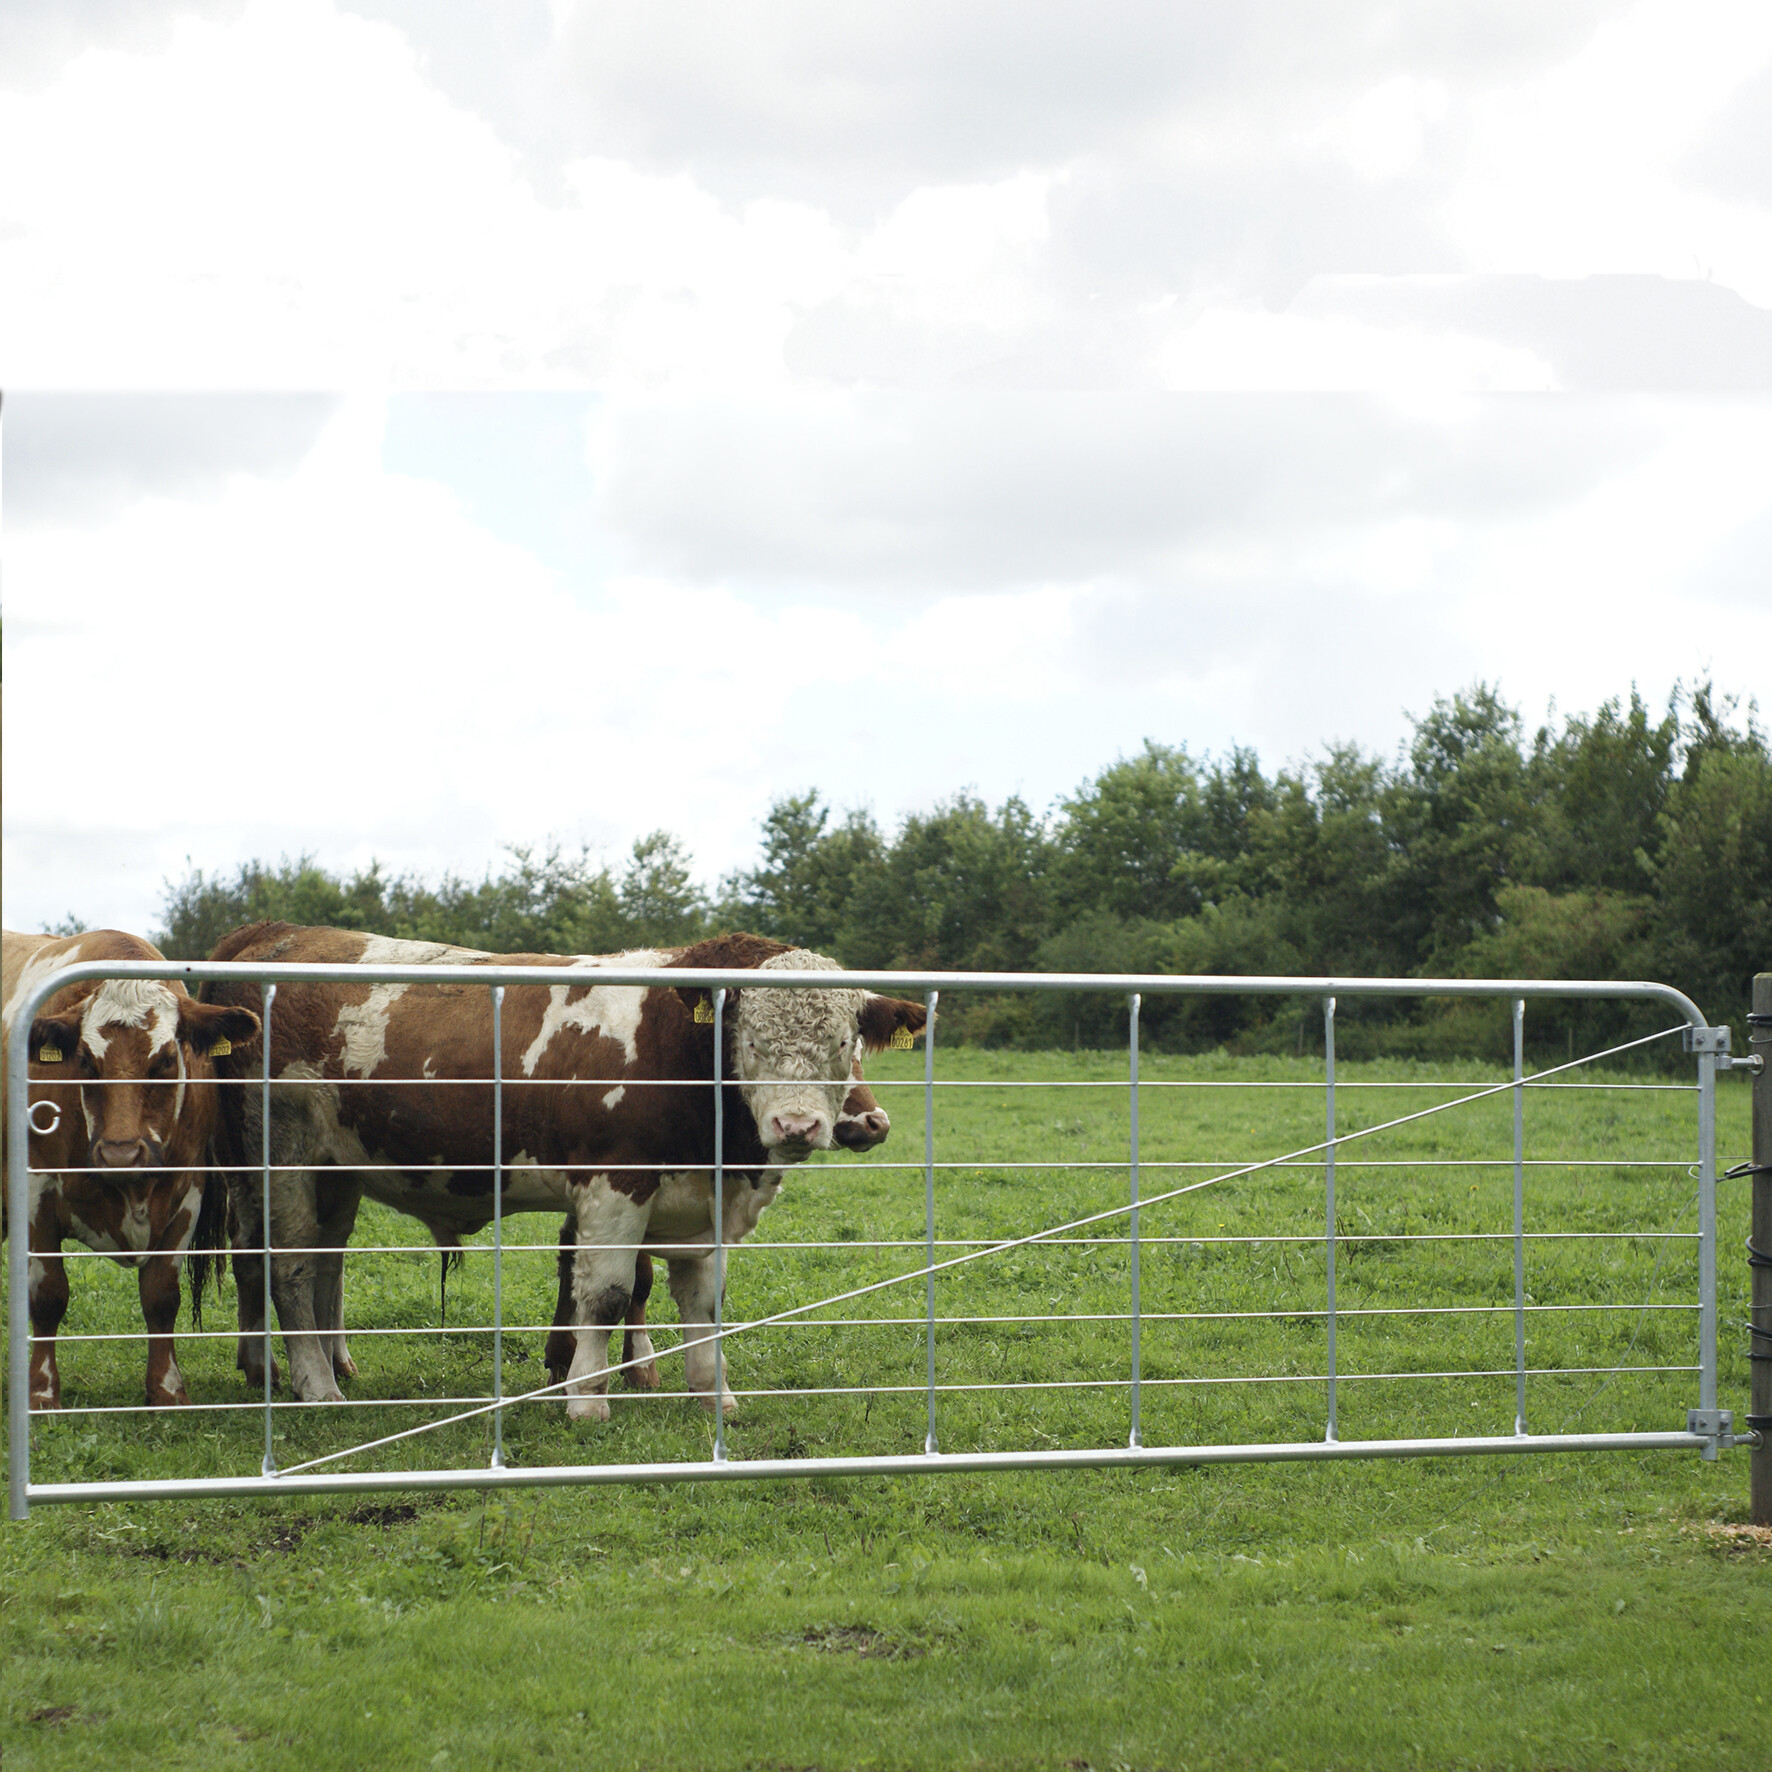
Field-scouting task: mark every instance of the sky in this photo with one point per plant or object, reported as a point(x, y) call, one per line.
point(429, 427)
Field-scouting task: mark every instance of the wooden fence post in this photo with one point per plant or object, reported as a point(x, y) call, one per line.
point(1760, 1298)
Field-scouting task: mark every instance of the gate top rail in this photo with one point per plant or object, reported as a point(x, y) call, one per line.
point(714, 978)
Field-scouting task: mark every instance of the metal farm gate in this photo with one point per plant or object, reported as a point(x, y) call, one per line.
point(1127, 1385)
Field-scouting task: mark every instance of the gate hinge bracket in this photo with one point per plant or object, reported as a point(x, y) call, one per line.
point(1700, 1040)
point(1716, 1425)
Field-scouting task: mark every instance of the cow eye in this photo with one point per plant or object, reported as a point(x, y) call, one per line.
point(83, 1062)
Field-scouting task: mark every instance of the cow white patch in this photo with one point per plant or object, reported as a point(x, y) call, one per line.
point(389, 950)
point(41, 965)
point(363, 1027)
point(133, 1003)
point(613, 1099)
point(610, 1010)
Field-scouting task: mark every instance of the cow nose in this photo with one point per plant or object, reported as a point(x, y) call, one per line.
point(792, 1128)
point(876, 1124)
point(121, 1153)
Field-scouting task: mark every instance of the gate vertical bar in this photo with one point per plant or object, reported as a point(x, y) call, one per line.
point(1329, 1190)
point(929, 1001)
point(1759, 1341)
point(1137, 1435)
point(269, 1467)
point(719, 1230)
point(1707, 1238)
point(498, 1225)
point(1519, 1215)
point(18, 1313)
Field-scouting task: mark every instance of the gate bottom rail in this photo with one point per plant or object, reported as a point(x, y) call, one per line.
point(909, 1464)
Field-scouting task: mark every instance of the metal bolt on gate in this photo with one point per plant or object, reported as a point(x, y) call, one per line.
point(1131, 1226)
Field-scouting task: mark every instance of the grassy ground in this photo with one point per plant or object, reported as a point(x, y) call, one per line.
point(1583, 1611)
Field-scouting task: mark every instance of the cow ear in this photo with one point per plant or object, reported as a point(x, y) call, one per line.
point(700, 1003)
point(54, 1037)
point(216, 1030)
point(890, 1021)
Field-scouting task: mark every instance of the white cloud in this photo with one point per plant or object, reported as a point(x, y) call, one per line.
point(894, 601)
point(290, 194)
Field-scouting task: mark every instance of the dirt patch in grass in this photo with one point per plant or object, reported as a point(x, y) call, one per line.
point(176, 1553)
point(394, 1515)
point(858, 1639)
point(54, 1715)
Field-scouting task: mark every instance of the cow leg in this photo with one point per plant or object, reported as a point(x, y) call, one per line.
point(295, 1277)
point(562, 1344)
point(602, 1287)
point(245, 1233)
point(338, 1203)
point(48, 1291)
point(157, 1277)
point(636, 1344)
point(693, 1284)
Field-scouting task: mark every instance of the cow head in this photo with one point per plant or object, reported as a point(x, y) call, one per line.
point(794, 1053)
point(132, 1046)
point(863, 1123)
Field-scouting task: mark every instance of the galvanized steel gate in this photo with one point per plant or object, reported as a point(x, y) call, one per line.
point(1707, 1427)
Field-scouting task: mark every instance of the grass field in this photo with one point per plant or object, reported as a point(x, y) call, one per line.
point(1580, 1611)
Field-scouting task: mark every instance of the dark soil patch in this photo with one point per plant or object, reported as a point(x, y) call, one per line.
point(395, 1515)
point(176, 1553)
point(55, 1715)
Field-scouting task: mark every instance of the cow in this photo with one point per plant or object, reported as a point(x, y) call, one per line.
point(128, 1067)
point(862, 1125)
point(608, 1112)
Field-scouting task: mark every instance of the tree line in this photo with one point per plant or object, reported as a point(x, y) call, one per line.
point(1621, 844)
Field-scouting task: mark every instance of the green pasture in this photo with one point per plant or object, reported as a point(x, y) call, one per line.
point(1571, 1611)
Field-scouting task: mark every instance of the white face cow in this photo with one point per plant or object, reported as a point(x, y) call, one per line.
point(794, 1052)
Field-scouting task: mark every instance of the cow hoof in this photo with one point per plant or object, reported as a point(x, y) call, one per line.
point(176, 1400)
point(344, 1366)
point(255, 1375)
point(46, 1402)
point(587, 1408)
point(642, 1378)
point(728, 1405)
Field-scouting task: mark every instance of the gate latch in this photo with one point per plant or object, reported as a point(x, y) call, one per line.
point(1700, 1040)
point(1717, 1425)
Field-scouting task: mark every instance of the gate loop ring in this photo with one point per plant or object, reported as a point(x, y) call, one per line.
point(55, 1120)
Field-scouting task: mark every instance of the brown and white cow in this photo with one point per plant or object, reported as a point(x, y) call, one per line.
point(607, 1112)
point(127, 1067)
point(862, 1125)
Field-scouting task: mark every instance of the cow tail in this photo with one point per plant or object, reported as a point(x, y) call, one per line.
point(446, 1259)
point(206, 1256)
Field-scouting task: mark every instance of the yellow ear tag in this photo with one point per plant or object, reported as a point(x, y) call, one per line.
point(50, 1055)
point(222, 1047)
point(704, 1011)
point(902, 1039)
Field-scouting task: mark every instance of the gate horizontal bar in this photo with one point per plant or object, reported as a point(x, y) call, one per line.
point(715, 978)
point(913, 1464)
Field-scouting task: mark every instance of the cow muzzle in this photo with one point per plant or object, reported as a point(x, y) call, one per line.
point(861, 1132)
point(125, 1153)
point(801, 1131)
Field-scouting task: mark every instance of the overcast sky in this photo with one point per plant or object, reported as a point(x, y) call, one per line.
point(435, 426)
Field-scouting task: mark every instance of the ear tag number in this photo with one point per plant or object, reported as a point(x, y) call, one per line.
point(704, 1011)
point(50, 1055)
point(902, 1039)
point(222, 1047)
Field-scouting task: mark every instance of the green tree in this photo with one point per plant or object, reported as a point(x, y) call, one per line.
point(658, 897)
